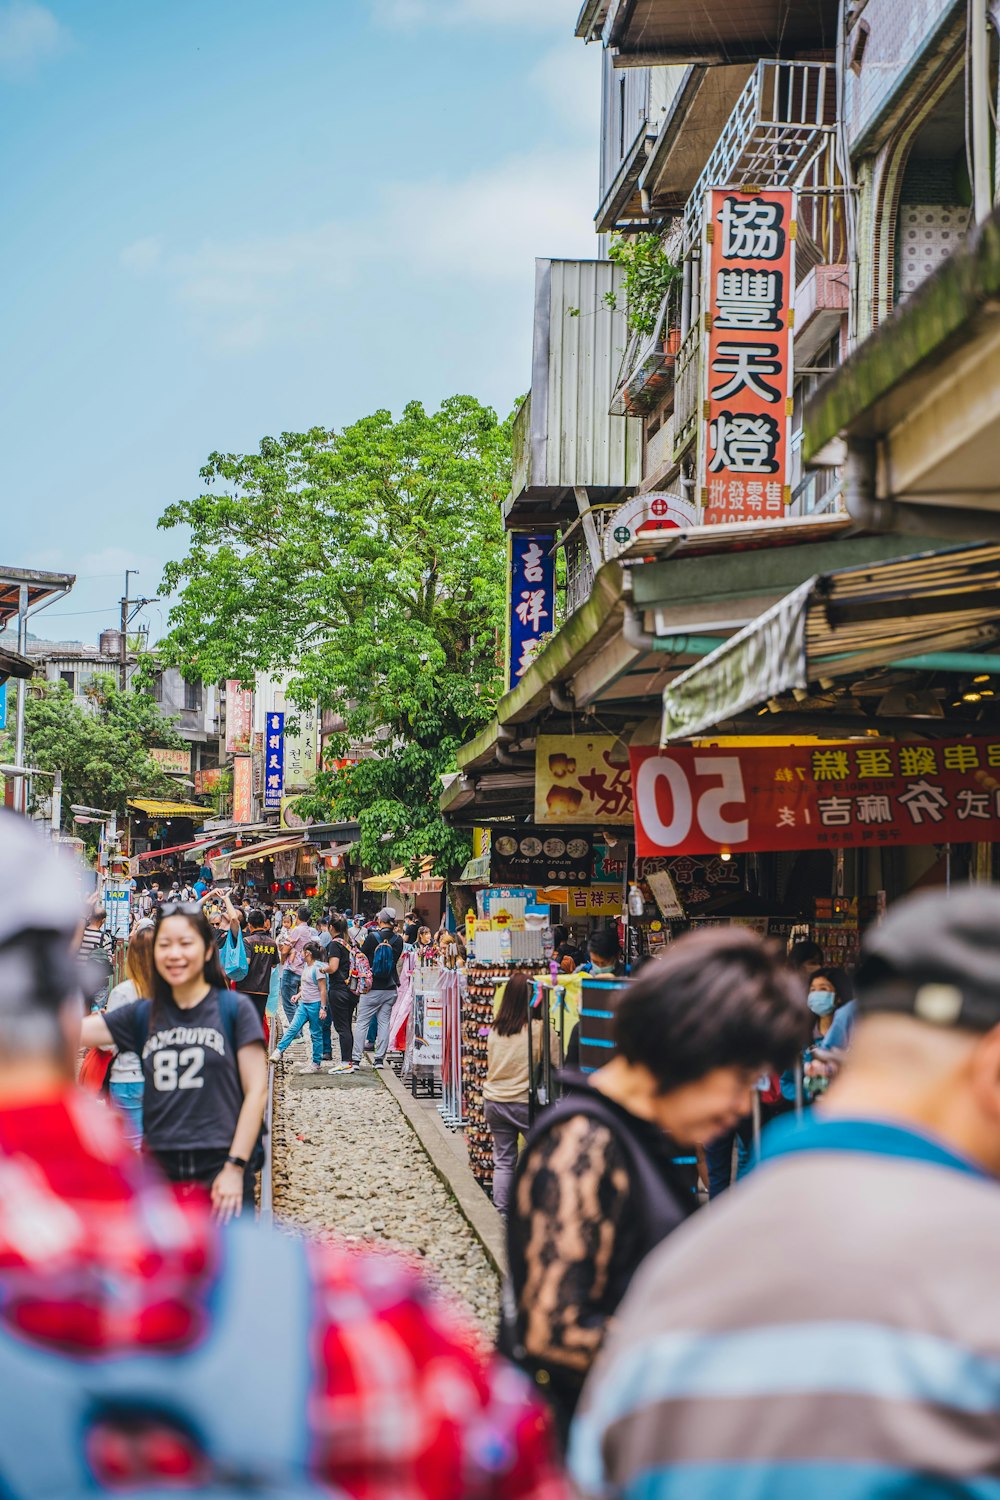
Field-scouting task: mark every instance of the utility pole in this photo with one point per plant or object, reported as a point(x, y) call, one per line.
point(130, 608)
point(123, 643)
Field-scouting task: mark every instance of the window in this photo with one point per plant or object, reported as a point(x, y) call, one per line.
point(157, 687)
point(192, 696)
point(69, 678)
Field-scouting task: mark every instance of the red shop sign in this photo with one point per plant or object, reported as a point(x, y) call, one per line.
point(690, 801)
point(747, 364)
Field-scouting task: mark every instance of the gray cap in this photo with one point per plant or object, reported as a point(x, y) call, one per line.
point(937, 957)
point(387, 914)
point(40, 909)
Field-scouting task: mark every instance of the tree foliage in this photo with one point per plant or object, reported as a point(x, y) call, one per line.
point(103, 752)
point(369, 564)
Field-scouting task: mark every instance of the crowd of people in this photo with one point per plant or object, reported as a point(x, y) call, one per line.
point(824, 1325)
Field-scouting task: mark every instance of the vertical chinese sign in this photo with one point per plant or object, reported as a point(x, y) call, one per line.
point(302, 753)
point(242, 789)
point(274, 761)
point(239, 718)
point(745, 444)
point(531, 618)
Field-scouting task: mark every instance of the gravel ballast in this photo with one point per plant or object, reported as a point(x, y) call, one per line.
point(347, 1161)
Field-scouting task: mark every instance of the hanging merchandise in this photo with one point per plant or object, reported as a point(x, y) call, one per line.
point(636, 904)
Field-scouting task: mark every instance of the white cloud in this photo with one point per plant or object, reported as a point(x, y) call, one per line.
point(544, 14)
point(569, 77)
point(29, 33)
point(142, 255)
point(484, 230)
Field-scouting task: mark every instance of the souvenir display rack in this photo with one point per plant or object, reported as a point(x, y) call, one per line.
point(478, 1004)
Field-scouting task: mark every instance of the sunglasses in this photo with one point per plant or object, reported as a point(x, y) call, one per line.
point(180, 909)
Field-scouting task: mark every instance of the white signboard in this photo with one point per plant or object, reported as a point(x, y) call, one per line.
point(644, 516)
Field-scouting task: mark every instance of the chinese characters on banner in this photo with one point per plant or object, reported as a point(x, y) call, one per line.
point(274, 761)
point(242, 790)
point(302, 753)
point(532, 599)
point(691, 801)
point(582, 779)
point(747, 386)
point(239, 718)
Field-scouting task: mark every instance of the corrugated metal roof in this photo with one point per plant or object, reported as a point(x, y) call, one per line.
point(574, 442)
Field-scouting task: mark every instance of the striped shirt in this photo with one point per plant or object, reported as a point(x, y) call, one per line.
point(829, 1330)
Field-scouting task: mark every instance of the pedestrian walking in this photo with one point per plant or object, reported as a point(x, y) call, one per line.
point(262, 956)
point(311, 1009)
point(850, 1345)
point(291, 945)
point(203, 1062)
point(126, 1315)
point(126, 1086)
point(383, 949)
point(508, 1080)
point(341, 1003)
point(597, 1187)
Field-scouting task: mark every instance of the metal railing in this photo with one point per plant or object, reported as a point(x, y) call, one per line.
point(687, 388)
point(779, 123)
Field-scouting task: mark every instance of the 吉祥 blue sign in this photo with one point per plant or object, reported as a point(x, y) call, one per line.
point(532, 599)
point(274, 760)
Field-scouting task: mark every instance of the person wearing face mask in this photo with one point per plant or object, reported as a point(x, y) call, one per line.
point(596, 1187)
point(829, 991)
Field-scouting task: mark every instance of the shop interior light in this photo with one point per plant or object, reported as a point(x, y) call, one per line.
point(725, 854)
point(971, 697)
point(983, 677)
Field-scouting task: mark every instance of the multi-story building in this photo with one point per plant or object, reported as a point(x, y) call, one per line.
point(808, 366)
point(194, 708)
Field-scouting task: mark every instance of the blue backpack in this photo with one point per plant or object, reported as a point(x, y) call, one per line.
point(57, 1407)
point(383, 960)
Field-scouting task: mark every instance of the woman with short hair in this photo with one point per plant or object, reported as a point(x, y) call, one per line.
point(597, 1187)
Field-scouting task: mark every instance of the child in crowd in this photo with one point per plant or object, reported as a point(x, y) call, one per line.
point(311, 1008)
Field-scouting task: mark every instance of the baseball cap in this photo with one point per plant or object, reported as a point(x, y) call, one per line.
point(937, 957)
point(387, 914)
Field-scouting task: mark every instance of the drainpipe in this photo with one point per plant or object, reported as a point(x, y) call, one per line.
point(562, 699)
point(979, 85)
point(860, 497)
point(640, 639)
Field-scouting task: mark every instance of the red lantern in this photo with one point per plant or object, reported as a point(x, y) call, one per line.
point(289, 885)
point(275, 887)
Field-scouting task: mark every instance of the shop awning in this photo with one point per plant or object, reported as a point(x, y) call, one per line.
point(191, 848)
point(897, 614)
point(153, 808)
point(388, 882)
point(265, 850)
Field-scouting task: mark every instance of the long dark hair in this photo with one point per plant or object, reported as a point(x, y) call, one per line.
point(214, 973)
point(512, 1017)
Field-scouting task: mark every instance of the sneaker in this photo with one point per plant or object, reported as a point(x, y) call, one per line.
point(379, 1062)
point(275, 1057)
point(344, 1068)
point(311, 1068)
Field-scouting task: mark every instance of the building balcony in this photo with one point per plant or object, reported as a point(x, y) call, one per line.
point(784, 120)
point(564, 438)
point(645, 33)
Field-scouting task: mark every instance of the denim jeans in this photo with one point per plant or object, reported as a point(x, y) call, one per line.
point(289, 989)
point(127, 1098)
point(305, 1012)
point(719, 1157)
point(506, 1122)
point(378, 1004)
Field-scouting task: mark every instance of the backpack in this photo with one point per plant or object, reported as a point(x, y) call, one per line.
point(383, 960)
point(69, 1420)
point(359, 981)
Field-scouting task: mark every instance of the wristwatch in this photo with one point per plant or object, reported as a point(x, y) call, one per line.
point(237, 1161)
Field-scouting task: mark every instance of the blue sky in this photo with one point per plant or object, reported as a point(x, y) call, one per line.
point(227, 218)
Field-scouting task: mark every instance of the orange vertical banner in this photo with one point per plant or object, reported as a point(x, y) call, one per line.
point(749, 290)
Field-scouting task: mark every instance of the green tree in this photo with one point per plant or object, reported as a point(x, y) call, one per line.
point(369, 564)
point(102, 752)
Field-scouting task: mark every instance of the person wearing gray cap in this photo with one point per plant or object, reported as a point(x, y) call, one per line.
point(383, 949)
point(137, 1354)
point(831, 1327)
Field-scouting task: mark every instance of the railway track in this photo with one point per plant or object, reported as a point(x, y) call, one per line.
point(341, 1158)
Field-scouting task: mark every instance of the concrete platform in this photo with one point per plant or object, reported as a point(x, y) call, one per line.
point(364, 1080)
point(447, 1155)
